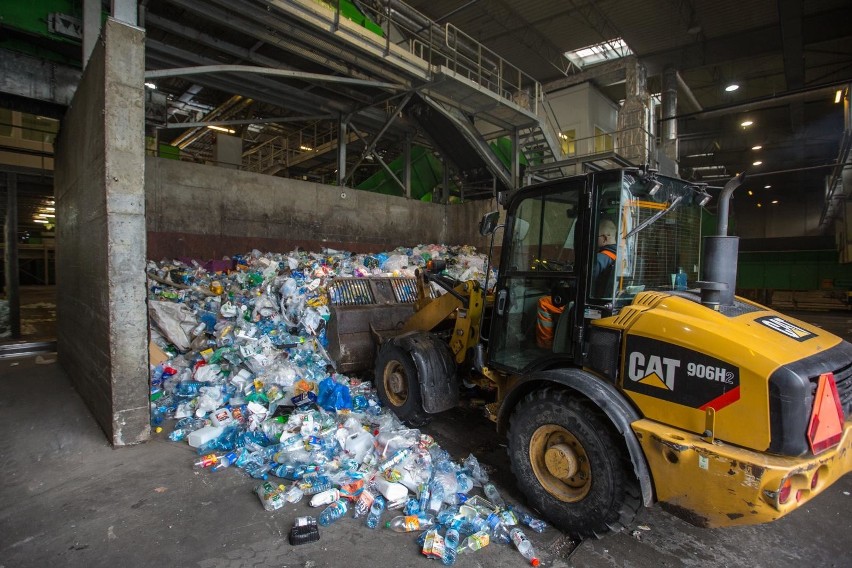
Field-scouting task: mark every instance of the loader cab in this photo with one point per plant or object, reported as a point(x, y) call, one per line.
point(580, 249)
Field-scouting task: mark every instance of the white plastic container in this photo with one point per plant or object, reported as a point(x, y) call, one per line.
point(204, 435)
point(326, 497)
point(393, 492)
point(358, 444)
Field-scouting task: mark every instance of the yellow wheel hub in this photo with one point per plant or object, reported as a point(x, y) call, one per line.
point(560, 463)
point(395, 383)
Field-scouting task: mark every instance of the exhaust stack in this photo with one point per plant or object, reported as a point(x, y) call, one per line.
point(719, 279)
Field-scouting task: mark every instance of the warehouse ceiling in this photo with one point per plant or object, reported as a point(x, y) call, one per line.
point(788, 57)
point(771, 49)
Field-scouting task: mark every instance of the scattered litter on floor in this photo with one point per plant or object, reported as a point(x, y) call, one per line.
point(240, 365)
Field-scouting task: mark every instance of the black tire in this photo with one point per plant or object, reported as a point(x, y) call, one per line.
point(602, 495)
point(398, 384)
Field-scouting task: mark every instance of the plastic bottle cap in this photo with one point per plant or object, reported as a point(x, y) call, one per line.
point(387, 524)
point(535, 562)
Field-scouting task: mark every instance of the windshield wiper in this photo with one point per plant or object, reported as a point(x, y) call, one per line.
point(654, 217)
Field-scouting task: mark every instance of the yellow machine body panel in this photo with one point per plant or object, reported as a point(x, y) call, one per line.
point(679, 359)
point(717, 484)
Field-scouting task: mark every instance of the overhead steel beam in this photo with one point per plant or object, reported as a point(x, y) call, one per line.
point(214, 122)
point(205, 69)
point(239, 52)
point(34, 78)
point(256, 22)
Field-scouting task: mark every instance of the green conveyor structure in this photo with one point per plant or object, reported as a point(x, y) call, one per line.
point(427, 172)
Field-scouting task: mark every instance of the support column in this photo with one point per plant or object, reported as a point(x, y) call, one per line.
point(12, 274)
point(633, 139)
point(516, 159)
point(342, 137)
point(669, 123)
point(445, 188)
point(102, 333)
point(91, 27)
point(406, 166)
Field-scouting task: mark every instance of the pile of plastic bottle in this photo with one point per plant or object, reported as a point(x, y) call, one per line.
point(247, 383)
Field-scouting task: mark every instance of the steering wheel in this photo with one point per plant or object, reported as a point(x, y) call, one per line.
point(551, 265)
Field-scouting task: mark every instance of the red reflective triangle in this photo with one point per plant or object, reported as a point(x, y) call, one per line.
point(826, 427)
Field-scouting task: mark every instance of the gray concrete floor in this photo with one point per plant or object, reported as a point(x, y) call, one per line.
point(68, 499)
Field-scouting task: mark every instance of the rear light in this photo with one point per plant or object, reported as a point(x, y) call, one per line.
point(815, 479)
point(826, 425)
point(784, 491)
point(798, 495)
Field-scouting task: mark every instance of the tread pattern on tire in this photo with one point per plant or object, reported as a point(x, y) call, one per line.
point(629, 500)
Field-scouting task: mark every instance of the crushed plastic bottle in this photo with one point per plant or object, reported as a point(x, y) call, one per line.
point(474, 542)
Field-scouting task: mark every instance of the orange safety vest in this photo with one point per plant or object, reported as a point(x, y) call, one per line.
point(609, 253)
point(545, 318)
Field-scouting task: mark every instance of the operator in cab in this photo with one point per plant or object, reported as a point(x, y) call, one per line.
point(605, 259)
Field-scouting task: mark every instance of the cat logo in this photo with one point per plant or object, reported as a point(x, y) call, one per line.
point(652, 370)
point(783, 326)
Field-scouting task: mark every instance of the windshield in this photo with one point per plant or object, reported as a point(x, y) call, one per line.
point(658, 235)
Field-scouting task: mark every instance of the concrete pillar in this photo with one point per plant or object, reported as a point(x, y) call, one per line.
point(11, 248)
point(633, 139)
point(100, 212)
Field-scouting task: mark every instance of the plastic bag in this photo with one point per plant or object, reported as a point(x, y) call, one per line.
point(334, 396)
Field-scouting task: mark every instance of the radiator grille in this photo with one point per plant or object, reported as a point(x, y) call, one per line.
point(843, 380)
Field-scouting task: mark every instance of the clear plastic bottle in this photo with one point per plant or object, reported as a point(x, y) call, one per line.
point(410, 523)
point(524, 546)
point(474, 542)
point(499, 532)
point(451, 543)
point(333, 512)
point(493, 495)
point(537, 525)
point(375, 512)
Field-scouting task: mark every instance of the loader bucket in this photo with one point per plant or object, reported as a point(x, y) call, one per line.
point(361, 306)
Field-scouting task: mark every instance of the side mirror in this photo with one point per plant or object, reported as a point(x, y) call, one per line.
point(488, 223)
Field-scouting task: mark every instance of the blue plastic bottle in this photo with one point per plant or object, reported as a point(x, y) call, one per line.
point(451, 543)
point(375, 512)
point(333, 512)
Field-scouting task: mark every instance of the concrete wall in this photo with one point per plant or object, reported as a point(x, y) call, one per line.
point(204, 212)
point(102, 320)
point(581, 108)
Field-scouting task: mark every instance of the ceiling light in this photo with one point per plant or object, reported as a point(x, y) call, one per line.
point(760, 205)
point(757, 163)
point(220, 128)
point(758, 147)
point(774, 201)
point(750, 192)
point(767, 187)
point(306, 148)
point(48, 209)
point(150, 85)
point(746, 123)
point(838, 96)
point(46, 215)
point(732, 87)
point(42, 221)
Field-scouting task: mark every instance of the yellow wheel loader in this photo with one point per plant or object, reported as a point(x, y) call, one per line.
point(623, 378)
